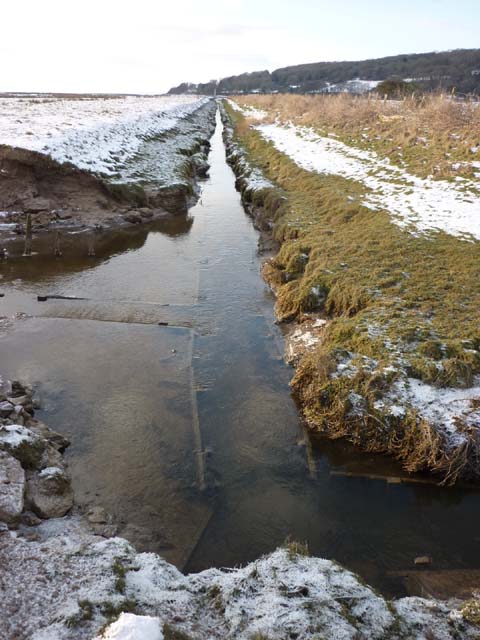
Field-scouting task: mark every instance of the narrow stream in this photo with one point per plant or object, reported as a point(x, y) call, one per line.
point(186, 432)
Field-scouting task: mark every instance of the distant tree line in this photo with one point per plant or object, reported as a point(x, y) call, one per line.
point(457, 70)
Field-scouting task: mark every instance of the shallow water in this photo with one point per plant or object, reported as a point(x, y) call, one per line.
point(187, 433)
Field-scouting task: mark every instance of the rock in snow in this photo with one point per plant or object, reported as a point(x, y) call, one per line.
point(23, 444)
point(12, 488)
point(49, 493)
point(6, 408)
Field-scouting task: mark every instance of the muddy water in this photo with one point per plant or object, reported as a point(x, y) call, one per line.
point(186, 432)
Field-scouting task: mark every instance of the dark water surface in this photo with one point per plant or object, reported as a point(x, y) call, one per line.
point(187, 433)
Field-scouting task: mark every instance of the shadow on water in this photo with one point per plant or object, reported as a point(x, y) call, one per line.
point(188, 434)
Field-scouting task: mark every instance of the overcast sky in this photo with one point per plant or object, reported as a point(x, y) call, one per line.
point(146, 46)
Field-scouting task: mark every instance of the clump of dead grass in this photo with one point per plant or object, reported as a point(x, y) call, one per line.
point(330, 406)
point(470, 611)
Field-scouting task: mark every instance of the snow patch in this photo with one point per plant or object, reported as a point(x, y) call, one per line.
point(445, 408)
point(248, 111)
point(50, 472)
point(424, 203)
point(252, 176)
point(132, 627)
point(307, 338)
point(14, 435)
point(56, 587)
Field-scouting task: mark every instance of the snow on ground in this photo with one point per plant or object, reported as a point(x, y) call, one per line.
point(410, 200)
point(63, 584)
point(446, 408)
point(352, 86)
point(248, 111)
point(303, 339)
point(97, 134)
point(160, 161)
point(449, 410)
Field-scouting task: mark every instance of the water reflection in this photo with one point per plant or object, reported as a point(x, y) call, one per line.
point(74, 246)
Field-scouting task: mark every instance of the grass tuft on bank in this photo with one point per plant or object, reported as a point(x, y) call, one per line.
point(397, 364)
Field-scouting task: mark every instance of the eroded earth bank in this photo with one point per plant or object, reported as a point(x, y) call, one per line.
point(90, 162)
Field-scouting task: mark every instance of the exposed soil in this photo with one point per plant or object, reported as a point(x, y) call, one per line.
point(55, 193)
point(61, 195)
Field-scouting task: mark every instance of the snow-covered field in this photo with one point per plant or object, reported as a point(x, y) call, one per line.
point(426, 204)
point(97, 134)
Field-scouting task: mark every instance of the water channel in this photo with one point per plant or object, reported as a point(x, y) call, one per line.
point(185, 431)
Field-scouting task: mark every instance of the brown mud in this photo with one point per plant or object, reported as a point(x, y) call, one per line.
point(31, 182)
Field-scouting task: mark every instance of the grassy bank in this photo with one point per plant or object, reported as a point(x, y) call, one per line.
point(403, 330)
point(430, 135)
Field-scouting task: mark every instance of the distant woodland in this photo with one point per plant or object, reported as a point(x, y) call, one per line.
point(457, 70)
